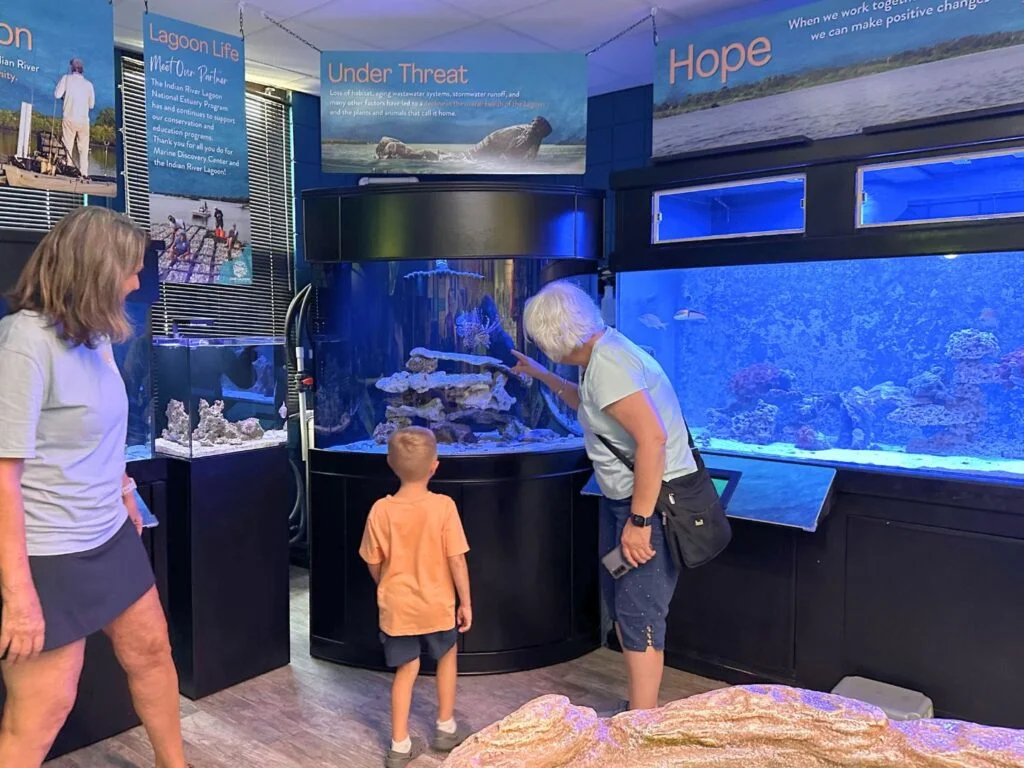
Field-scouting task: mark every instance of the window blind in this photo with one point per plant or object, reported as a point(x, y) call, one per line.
point(34, 209)
point(256, 310)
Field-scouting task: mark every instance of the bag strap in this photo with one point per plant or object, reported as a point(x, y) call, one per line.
point(618, 454)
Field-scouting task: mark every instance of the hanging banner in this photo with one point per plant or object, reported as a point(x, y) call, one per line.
point(453, 113)
point(779, 69)
point(198, 153)
point(57, 117)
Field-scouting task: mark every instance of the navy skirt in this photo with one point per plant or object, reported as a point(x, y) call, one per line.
point(83, 592)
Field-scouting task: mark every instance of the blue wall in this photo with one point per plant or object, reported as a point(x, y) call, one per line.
point(618, 139)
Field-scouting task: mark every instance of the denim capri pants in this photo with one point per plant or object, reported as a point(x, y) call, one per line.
point(638, 602)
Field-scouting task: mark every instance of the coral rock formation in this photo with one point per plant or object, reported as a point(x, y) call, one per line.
point(762, 726)
point(178, 425)
point(444, 401)
point(213, 428)
point(952, 415)
point(758, 380)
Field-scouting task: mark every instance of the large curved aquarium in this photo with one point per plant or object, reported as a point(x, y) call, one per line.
point(429, 343)
point(913, 363)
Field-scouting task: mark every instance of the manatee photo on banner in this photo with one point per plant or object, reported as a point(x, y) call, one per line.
point(453, 113)
point(198, 153)
point(58, 128)
point(785, 68)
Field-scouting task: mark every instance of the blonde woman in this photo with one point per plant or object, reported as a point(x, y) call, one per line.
point(71, 560)
point(624, 396)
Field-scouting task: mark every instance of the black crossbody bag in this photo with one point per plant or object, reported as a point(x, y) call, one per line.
point(696, 528)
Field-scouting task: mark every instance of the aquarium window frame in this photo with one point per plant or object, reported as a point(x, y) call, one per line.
point(658, 194)
point(858, 207)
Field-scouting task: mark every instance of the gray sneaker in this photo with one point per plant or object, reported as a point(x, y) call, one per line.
point(400, 759)
point(446, 742)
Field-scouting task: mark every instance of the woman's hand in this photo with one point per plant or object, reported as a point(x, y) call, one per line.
point(636, 544)
point(22, 627)
point(527, 366)
point(133, 512)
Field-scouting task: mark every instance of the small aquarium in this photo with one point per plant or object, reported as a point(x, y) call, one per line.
point(134, 361)
point(913, 363)
point(218, 396)
point(429, 343)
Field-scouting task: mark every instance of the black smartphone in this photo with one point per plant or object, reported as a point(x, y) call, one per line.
point(616, 564)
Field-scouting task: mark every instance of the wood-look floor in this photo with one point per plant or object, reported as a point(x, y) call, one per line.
point(319, 715)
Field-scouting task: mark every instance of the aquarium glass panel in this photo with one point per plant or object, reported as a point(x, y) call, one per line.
point(218, 396)
point(134, 361)
point(742, 209)
point(429, 343)
point(912, 363)
point(963, 188)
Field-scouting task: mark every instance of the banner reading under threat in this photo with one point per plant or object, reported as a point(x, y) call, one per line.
point(198, 153)
point(783, 68)
point(57, 119)
point(453, 113)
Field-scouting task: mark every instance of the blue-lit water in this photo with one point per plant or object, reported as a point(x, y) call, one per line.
point(429, 343)
point(219, 395)
point(910, 363)
point(134, 360)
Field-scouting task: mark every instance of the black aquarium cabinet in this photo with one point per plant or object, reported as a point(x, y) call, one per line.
point(914, 578)
point(421, 291)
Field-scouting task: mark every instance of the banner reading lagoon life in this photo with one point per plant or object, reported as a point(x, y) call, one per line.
point(198, 153)
point(449, 113)
point(57, 119)
point(785, 68)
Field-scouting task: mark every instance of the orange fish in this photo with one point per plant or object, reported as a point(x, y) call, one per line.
point(689, 314)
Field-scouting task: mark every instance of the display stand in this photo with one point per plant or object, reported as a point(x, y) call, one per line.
point(227, 534)
point(533, 560)
point(908, 578)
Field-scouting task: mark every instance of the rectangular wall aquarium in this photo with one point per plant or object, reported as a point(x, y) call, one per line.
point(913, 363)
point(429, 343)
point(217, 396)
point(134, 361)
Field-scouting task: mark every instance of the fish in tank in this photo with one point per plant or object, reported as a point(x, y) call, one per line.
point(912, 363)
point(429, 343)
point(217, 396)
point(133, 359)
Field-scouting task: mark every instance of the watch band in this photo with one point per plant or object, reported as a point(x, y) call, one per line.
point(640, 521)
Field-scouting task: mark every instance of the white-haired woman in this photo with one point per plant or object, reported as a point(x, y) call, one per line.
point(624, 396)
point(71, 560)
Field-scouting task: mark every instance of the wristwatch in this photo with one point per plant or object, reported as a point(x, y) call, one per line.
point(640, 521)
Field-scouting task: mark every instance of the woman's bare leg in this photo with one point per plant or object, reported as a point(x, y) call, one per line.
point(140, 641)
point(40, 694)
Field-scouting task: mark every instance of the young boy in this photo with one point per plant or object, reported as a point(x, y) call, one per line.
point(416, 550)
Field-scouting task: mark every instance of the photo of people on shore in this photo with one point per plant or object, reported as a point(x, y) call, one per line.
point(57, 115)
point(206, 241)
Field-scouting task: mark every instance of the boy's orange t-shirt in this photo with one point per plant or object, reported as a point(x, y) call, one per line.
point(412, 541)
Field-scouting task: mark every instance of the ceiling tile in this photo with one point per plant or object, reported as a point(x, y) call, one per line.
point(633, 53)
point(393, 25)
point(484, 37)
point(493, 9)
point(573, 25)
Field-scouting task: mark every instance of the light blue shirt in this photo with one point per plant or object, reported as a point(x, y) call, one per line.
point(618, 368)
point(64, 410)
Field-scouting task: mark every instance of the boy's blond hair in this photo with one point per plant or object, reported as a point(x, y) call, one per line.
point(412, 452)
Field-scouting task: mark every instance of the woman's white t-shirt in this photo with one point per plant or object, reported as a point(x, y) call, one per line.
point(618, 368)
